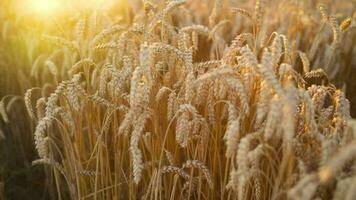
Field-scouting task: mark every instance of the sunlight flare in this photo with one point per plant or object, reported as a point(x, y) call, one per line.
point(43, 7)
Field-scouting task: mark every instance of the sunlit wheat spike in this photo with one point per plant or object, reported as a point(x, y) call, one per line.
point(67, 119)
point(231, 137)
point(40, 107)
point(273, 117)
point(172, 105)
point(189, 87)
point(101, 101)
point(169, 157)
point(200, 165)
point(345, 24)
point(136, 153)
point(243, 12)
point(289, 109)
point(248, 57)
point(262, 104)
point(256, 154)
point(82, 63)
point(172, 5)
point(305, 62)
point(28, 103)
point(72, 93)
point(126, 124)
point(196, 28)
point(309, 110)
point(237, 86)
point(162, 47)
point(183, 130)
point(317, 74)
point(341, 105)
point(336, 30)
point(323, 12)
point(161, 92)
point(188, 108)
point(210, 107)
point(175, 170)
point(87, 173)
point(215, 73)
point(235, 46)
point(190, 187)
point(40, 134)
point(276, 50)
point(259, 12)
point(145, 61)
point(239, 178)
point(266, 70)
point(110, 45)
point(240, 39)
point(287, 49)
point(106, 33)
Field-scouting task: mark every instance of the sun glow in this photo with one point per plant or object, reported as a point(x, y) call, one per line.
point(97, 4)
point(54, 7)
point(43, 7)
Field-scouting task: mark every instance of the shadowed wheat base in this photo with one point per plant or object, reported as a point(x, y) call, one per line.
point(198, 100)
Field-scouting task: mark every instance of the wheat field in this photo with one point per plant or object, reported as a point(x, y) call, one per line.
point(178, 99)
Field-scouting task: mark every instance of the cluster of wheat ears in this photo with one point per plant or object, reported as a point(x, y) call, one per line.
point(198, 100)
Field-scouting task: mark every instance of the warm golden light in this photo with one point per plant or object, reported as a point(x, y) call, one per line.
point(98, 4)
point(43, 7)
point(54, 7)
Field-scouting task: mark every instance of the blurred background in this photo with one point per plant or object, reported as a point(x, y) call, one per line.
point(22, 24)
